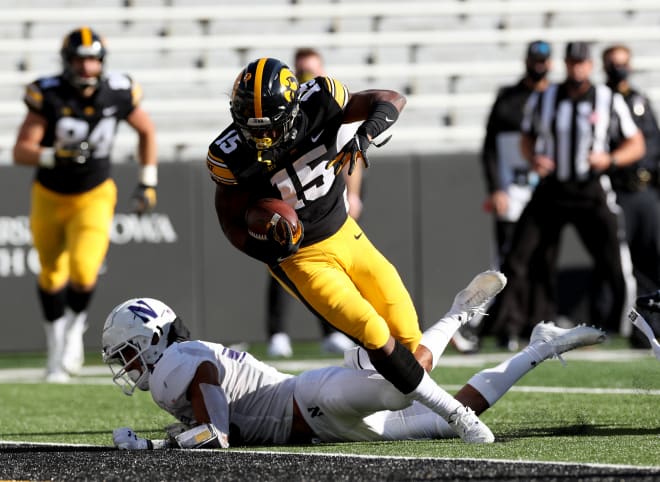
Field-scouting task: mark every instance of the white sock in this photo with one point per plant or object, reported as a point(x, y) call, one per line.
point(493, 383)
point(77, 320)
point(437, 337)
point(55, 338)
point(415, 422)
point(433, 396)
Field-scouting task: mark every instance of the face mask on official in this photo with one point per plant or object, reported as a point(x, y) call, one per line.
point(536, 71)
point(616, 73)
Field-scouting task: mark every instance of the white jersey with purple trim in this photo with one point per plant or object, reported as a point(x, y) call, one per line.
point(260, 398)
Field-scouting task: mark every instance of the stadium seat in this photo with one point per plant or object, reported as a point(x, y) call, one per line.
point(448, 57)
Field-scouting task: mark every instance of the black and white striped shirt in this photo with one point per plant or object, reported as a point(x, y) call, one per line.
point(567, 130)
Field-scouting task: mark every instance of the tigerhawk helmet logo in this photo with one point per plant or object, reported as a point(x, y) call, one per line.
point(289, 84)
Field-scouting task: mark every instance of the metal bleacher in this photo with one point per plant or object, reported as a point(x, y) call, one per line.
point(448, 56)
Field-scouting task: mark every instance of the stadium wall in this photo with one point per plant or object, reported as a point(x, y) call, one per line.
point(424, 214)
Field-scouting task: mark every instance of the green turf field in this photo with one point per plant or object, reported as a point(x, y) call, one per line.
point(560, 416)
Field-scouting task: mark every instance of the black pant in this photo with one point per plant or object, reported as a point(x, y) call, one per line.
point(555, 204)
point(642, 222)
point(541, 285)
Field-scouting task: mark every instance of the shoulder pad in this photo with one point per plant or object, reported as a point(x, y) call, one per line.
point(219, 170)
point(119, 81)
point(49, 82)
point(338, 90)
point(175, 370)
point(34, 97)
point(34, 92)
point(136, 93)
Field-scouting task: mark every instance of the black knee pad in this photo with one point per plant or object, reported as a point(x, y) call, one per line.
point(401, 369)
point(52, 304)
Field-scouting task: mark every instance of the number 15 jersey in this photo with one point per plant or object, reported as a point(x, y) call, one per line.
point(297, 171)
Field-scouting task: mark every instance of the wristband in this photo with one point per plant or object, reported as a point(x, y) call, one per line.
point(148, 175)
point(383, 114)
point(160, 444)
point(47, 157)
point(143, 444)
point(205, 435)
point(613, 161)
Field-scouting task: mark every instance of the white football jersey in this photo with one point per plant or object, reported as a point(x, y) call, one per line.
point(260, 398)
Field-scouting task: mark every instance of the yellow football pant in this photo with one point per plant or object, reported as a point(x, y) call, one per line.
point(347, 281)
point(71, 233)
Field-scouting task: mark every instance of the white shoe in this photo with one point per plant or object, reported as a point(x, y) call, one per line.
point(59, 376)
point(468, 426)
point(336, 343)
point(55, 336)
point(279, 346)
point(464, 344)
point(476, 295)
point(74, 349)
point(562, 340)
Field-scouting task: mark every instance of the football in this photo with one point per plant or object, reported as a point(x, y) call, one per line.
point(267, 212)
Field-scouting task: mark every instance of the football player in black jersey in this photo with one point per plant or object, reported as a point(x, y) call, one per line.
point(308, 64)
point(291, 141)
point(67, 135)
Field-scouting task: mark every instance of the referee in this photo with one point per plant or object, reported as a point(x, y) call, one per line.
point(566, 132)
point(510, 183)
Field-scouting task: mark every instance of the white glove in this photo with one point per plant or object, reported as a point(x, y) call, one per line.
point(126, 439)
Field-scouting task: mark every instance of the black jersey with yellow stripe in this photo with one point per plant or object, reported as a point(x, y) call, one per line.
point(72, 118)
point(297, 171)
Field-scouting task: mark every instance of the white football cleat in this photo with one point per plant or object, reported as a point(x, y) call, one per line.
point(562, 340)
point(465, 344)
point(336, 343)
point(478, 293)
point(55, 338)
point(279, 346)
point(74, 349)
point(57, 376)
point(467, 425)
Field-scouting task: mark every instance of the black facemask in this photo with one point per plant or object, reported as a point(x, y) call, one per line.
point(616, 73)
point(574, 83)
point(536, 74)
